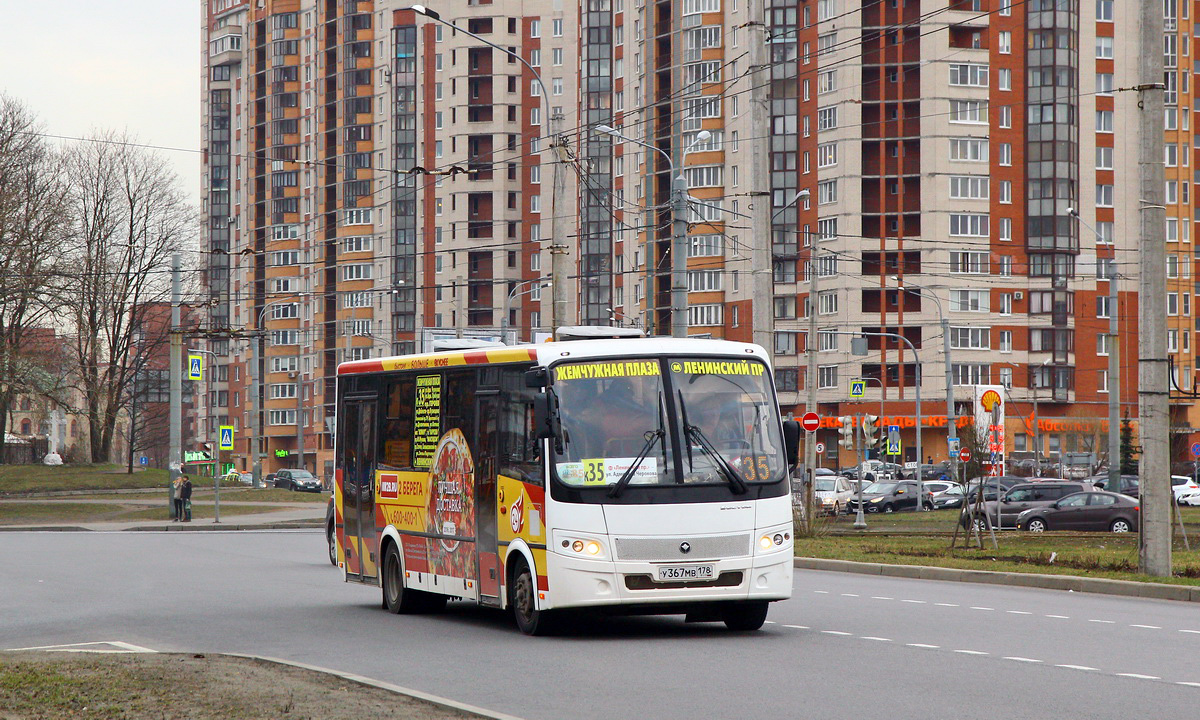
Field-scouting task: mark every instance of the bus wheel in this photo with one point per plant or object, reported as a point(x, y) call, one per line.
point(745, 615)
point(522, 597)
point(396, 599)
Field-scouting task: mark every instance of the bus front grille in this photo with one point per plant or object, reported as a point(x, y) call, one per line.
point(697, 548)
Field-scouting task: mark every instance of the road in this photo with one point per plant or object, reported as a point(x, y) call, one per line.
point(844, 646)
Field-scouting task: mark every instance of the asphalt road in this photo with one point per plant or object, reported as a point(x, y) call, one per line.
point(844, 646)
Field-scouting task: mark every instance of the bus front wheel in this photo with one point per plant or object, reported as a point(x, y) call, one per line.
point(745, 616)
point(522, 596)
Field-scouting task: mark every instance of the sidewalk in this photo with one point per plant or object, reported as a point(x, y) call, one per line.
point(300, 517)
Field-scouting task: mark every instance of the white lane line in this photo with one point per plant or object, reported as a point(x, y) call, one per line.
point(973, 607)
point(1194, 632)
point(1139, 677)
point(821, 592)
point(1017, 612)
point(1147, 627)
point(849, 595)
point(923, 645)
point(1060, 617)
point(970, 652)
point(1106, 622)
point(1079, 667)
point(916, 602)
point(945, 604)
point(877, 639)
point(881, 597)
point(1189, 684)
point(1021, 659)
point(797, 627)
point(837, 632)
point(769, 622)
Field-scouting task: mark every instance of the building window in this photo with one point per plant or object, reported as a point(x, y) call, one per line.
point(968, 300)
point(1104, 158)
point(827, 155)
point(1102, 305)
point(826, 81)
point(1104, 121)
point(702, 176)
point(281, 417)
point(1104, 48)
point(358, 271)
point(827, 118)
point(972, 112)
point(974, 225)
point(1004, 42)
point(1104, 83)
point(1104, 196)
point(704, 280)
point(971, 373)
point(1005, 158)
point(970, 338)
point(969, 75)
point(705, 315)
point(356, 299)
point(827, 377)
point(968, 187)
point(970, 262)
point(282, 391)
point(785, 343)
point(1006, 338)
point(705, 246)
point(1004, 80)
point(827, 192)
point(827, 303)
point(969, 149)
point(285, 311)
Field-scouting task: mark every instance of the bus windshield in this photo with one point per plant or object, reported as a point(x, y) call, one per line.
point(625, 421)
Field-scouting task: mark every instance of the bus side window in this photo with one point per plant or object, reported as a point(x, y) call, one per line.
point(520, 449)
point(397, 438)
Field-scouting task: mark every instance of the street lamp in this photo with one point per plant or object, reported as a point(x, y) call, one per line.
point(951, 416)
point(512, 294)
point(679, 208)
point(558, 248)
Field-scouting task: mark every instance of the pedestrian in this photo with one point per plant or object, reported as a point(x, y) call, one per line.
point(186, 495)
point(177, 499)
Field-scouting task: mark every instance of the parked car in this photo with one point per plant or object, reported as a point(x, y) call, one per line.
point(1190, 498)
point(1095, 510)
point(832, 493)
point(1183, 485)
point(890, 497)
point(990, 486)
point(330, 535)
point(1126, 485)
point(1018, 499)
point(297, 480)
point(951, 497)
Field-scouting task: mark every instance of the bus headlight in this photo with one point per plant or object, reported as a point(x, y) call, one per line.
point(576, 546)
point(774, 540)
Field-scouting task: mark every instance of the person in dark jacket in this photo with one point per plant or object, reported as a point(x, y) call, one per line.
point(186, 495)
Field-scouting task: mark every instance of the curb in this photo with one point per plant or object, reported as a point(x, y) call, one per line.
point(1104, 586)
point(360, 680)
point(223, 527)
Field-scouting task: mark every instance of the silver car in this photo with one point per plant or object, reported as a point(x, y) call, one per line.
point(831, 494)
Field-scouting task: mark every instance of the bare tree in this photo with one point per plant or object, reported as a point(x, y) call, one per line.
point(32, 224)
point(129, 215)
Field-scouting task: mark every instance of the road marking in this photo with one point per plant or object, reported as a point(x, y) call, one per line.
point(849, 595)
point(797, 627)
point(981, 608)
point(945, 604)
point(1106, 622)
point(1059, 617)
point(877, 639)
point(881, 597)
point(1021, 659)
point(92, 647)
point(1147, 627)
point(821, 592)
point(769, 622)
point(923, 645)
point(1017, 612)
point(1189, 684)
point(970, 652)
point(1078, 667)
point(1194, 632)
point(1139, 677)
point(918, 602)
point(837, 632)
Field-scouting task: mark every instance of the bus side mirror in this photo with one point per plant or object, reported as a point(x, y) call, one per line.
point(537, 377)
point(791, 441)
point(545, 419)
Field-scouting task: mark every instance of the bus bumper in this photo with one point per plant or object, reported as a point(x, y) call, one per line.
point(576, 582)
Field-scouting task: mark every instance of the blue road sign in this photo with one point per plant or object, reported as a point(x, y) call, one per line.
point(226, 442)
point(195, 367)
point(858, 388)
point(143, 460)
point(893, 446)
point(1196, 449)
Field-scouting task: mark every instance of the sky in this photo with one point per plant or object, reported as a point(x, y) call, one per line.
point(87, 65)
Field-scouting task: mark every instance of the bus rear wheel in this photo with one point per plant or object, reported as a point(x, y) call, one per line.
point(522, 596)
point(745, 616)
point(399, 599)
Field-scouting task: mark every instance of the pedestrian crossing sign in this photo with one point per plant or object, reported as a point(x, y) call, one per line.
point(195, 367)
point(893, 446)
point(858, 388)
point(226, 442)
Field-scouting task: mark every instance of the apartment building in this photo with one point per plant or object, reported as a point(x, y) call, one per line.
point(376, 180)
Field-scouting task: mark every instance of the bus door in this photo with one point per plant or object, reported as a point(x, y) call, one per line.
point(487, 413)
point(357, 436)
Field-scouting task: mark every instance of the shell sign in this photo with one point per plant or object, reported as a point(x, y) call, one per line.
point(990, 400)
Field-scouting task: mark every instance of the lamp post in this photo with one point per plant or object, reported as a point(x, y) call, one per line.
point(679, 208)
point(951, 416)
point(512, 294)
point(558, 247)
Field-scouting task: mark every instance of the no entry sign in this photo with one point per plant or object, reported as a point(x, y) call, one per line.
point(810, 421)
point(964, 455)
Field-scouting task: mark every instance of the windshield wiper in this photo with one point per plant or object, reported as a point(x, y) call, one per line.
point(731, 475)
point(651, 436)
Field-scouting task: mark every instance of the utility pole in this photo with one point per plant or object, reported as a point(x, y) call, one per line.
point(679, 246)
point(1154, 469)
point(175, 457)
point(761, 278)
point(300, 419)
point(810, 349)
point(558, 245)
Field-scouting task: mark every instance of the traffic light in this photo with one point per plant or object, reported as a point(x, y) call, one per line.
point(847, 432)
point(870, 428)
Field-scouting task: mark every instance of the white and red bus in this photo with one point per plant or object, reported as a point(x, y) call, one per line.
point(630, 475)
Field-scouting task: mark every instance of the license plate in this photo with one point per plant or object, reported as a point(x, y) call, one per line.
point(667, 573)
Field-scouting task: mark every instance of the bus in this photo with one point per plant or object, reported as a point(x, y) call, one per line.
point(646, 475)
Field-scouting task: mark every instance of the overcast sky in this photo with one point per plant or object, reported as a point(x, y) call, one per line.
point(82, 65)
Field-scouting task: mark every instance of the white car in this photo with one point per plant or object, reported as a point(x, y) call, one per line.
point(1183, 485)
point(1192, 498)
point(832, 493)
